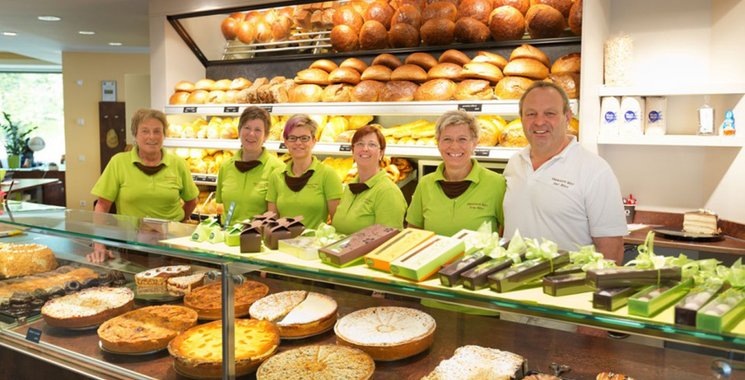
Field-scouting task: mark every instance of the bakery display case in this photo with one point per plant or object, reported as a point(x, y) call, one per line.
point(333, 293)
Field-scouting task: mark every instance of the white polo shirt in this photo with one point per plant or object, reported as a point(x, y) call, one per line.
point(571, 198)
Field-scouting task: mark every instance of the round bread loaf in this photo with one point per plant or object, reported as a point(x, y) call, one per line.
point(344, 75)
point(478, 9)
point(403, 35)
point(179, 97)
point(562, 6)
point(347, 15)
point(204, 84)
point(239, 83)
point(407, 14)
point(569, 63)
point(222, 85)
point(281, 28)
point(511, 87)
point(386, 59)
point(543, 21)
point(470, 30)
point(526, 67)
point(454, 56)
point(446, 70)
point(367, 91)
point(520, 5)
point(312, 76)
point(506, 23)
point(440, 9)
point(473, 89)
point(373, 35)
point(381, 12)
point(231, 96)
point(354, 63)
point(438, 31)
point(435, 89)
point(569, 82)
point(184, 85)
point(263, 32)
point(229, 28)
point(359, 5)
point(530, 51)
point(337, 93)
point(575, 18)
point(216, 97)
point(398, 91)
point(482, 70)
point(305, 93)
point(423, 60)
point(198, 97)
point(326, 65)
point(409, 72)
point(489, 57)
point(344, 38)
point(377, 72)
point(246, 32)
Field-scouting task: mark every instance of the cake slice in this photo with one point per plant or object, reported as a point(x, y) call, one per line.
point(701, 222)
point(153, 281)
point(476, 362)
point(275, 306)
point(184, 284)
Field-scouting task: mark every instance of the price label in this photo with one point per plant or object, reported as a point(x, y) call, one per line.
point(475, 107)
point(232, 109)
point(267, 108)
point(345, 148)
point(33, 335)
point(282, 146)
point(190, 109)
point(481, 153)
point(210, 179)
point(198, 177)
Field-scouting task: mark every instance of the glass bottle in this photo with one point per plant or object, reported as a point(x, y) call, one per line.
point(706, 118)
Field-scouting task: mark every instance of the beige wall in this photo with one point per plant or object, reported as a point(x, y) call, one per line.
point(82, 74)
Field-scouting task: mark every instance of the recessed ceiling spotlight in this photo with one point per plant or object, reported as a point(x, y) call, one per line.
point(115, 43)
point(86, 32)
point(49, 18)
point(10, 34)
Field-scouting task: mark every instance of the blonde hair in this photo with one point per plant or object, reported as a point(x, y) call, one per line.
point(455, 118)
point(146, 113)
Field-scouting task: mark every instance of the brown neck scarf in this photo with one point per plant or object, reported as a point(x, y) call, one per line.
point(453, 189)
point(357, 188)
point(149, 170)
point(244, 166)
point(297, 183)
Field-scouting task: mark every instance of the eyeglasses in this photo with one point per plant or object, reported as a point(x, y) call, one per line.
point(293, 138)
point(362, 145)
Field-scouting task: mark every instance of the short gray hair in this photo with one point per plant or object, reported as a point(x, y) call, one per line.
point(147, 113)
point(455, 118)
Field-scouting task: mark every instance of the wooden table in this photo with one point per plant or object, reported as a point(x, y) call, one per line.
point(729, 246)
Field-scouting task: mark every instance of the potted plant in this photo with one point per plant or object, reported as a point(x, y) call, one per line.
point(16, 140)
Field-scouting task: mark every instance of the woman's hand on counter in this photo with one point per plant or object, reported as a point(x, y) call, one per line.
point(100, 254)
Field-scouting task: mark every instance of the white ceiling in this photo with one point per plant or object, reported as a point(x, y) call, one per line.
point(124, 21)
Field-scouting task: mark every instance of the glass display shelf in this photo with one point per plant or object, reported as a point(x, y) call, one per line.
point(173, 239)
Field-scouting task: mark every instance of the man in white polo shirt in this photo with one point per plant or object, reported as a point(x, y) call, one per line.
point(556, 189)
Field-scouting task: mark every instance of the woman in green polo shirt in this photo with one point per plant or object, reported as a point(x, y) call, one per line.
point(305, 186)
point(243, 179)
point(146, 181)
point(460, 193)
point(371, 198)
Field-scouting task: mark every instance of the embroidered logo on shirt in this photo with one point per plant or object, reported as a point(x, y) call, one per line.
point(476, 205)
point(563, 183)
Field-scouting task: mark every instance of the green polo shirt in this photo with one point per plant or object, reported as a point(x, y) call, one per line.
point(312, 201)
point(138, 194)
point(383, 203)
point(247, 190)
point(432, 210)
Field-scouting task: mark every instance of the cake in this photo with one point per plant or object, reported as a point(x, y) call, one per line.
point(154, 280)
point(89, 307)
point(145, 330)
point(387, 332)
point(48, 281)
point(475, 362)
point(184, 284)
point(207, 300)
point(318, 362)
point(701, 222)
point(25, 259)
point(296, 313)
point(197, 353)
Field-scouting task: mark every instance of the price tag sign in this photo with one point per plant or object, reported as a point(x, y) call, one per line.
point(282, 146)
point(345, 148)
point(470, 107)
point(267, 108)
point(33, 335)
point(232, 109)
point(481, 153)
point(190, 109)
point(198, 177)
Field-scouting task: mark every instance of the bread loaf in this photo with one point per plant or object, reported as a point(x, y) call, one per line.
point(569, 82)
point(489, 57)
point(354, 63)
point(511, 87)
point(367, 91)
point(575, 18)
point(347, 15)
point(454, 56)
point(179, 97)
point(216, 97)
point(409, 72)
point(470, 30)
point(423, 60)
point(25, 259)
point(326, 65)
point(312, 76)
point(246, 32)
point(344, 75)
point(222, 85)
point(263, 32)
point(337, 93)
point(435, 89)
point(344, 38)
point(403, 35)
point(447, 70)
point(481, 70)
point(543, 21)
point(204, 84)
point(440, 9)
point(526, 67)
point(239, 83)
point(198, 97)
point(281, 28)
point(398, 91)
point(377, 72)
point(473, 89)
point(530, 51)
point(388, 60)
point(306, 93)
point(373, 36)
point(478, 9)
point(231, 96)
point(562, 6)
point(229, 28)
point(184, 85)
point(381, 12)
point(520, 5)
point(506, 23)
point(438, 31)
point(407, 14)
point(569, 63)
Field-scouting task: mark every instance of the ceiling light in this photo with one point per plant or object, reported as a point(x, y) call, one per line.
point(86, 32)
point(115, 43)
point(49, 18)
point(10, 34)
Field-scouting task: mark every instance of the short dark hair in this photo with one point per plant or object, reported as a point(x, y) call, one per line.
point(300, 120)
point(255, 113)
point(542, 84)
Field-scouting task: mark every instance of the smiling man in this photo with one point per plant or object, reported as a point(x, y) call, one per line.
point(555, 188)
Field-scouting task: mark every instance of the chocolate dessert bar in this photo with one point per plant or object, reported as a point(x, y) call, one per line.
point(476, 278)
point(450, 275)
point(612, 299)
point(565, 284)
point(351, 250)
point(525, 272)
point(627, 276)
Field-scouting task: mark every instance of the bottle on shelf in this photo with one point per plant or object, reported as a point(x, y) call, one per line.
point(706, 118)
point(728, 125)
